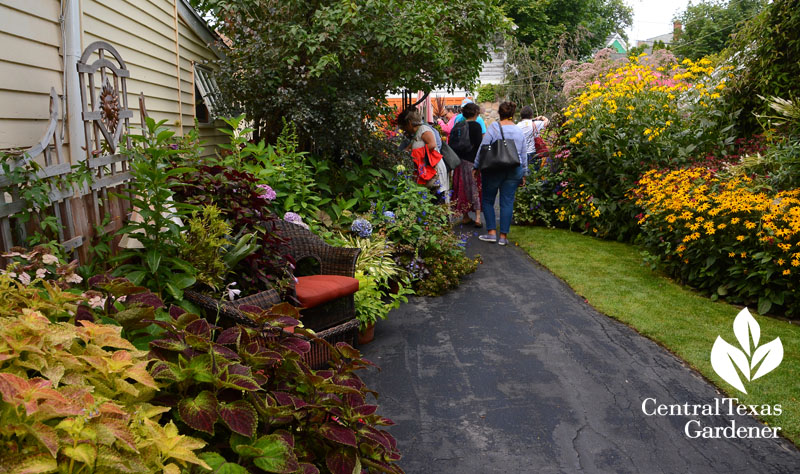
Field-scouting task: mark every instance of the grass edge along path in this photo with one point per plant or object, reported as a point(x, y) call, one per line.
point(612, 278)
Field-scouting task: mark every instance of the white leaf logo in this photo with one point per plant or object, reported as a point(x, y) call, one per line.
point(726, 359)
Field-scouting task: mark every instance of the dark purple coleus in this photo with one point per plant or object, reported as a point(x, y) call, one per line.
point(256, 384)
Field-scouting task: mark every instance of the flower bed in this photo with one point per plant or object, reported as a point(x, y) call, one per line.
point(651, 112)
point(723, 236)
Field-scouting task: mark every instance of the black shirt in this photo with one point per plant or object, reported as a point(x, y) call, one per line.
point(475, 138)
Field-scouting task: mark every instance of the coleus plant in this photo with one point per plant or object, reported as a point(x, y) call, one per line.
point(117, 301)
point(253, 397)
point(75, 399)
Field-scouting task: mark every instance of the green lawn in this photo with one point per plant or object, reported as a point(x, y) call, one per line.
point(612, 277)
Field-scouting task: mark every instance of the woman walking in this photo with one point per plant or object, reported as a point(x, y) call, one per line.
point(422, 135)
point(466, 191)
point(504, 181)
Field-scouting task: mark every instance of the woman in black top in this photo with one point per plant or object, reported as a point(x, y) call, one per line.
point(466, 188)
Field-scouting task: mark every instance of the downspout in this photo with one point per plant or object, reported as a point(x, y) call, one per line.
point(72, 53)
point(178, 67)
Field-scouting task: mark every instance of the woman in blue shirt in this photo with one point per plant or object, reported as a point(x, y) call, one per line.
point(504, 181)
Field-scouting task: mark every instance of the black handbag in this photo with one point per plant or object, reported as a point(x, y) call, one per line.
point(500, 155)
point(451, 159)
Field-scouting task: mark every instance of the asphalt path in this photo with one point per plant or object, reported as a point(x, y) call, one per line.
point(514, 373)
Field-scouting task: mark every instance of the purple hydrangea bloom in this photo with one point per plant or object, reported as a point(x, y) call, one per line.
point(266, 192)
point(389, 215)
point(361, 227)
point(295, 219)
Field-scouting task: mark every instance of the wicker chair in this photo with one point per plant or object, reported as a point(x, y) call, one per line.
point(332, 319)
point(334, 261)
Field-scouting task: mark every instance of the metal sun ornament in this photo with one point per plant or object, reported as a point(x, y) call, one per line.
point(109, 106)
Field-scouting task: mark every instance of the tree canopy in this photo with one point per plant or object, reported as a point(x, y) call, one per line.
point(328, 65)
point(764, 55)
point(707, 26)
point(541, 23)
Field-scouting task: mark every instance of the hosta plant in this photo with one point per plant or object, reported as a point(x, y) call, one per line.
point(75, 399)
point(251, 395)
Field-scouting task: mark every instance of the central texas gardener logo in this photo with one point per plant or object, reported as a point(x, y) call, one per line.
point(763, 359)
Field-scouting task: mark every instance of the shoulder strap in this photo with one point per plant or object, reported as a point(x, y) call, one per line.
point(500, 126)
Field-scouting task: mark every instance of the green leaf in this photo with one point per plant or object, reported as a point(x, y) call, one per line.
point(174, 291)
point(231, 468)
point(276, 455)
point(182, 280)
point(153, 260)
point(82, 453)
point(215, 460)
point(764, 305)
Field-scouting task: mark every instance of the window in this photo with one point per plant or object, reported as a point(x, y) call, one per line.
point(206, 95)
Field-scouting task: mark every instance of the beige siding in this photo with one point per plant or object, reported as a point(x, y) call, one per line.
point(143, 31)
point(194, 50)
point(30, 64)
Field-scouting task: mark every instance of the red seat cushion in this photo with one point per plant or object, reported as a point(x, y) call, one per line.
point(315, 290)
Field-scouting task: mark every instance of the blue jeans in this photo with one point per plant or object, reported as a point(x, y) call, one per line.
point(506, 182)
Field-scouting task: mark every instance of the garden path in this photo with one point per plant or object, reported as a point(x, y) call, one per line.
point(514, 372)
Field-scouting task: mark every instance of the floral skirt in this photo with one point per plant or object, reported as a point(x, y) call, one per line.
point(466, 190)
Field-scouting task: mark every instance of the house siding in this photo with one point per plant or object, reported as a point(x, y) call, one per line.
point(193, 50)
point(30, 64)
point(142, 31)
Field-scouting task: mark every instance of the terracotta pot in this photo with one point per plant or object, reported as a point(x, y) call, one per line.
point(366, 335)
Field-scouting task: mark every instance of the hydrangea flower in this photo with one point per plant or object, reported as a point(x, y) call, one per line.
point(295, 218)
point(266, 192)
point(389, 215)
point(362, 227)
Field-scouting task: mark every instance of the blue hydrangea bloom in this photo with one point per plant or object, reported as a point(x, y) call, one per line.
point(361, 227)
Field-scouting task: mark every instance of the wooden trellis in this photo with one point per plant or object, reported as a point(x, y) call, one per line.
point(54, 168)
point(106, 117)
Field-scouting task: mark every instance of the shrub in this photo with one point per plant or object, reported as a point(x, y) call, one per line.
point(246, 208)
point(376, 271)
point(209, 248)
point(290, 173)
point(764, 53)
point(540, 198)
point(487, 93)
